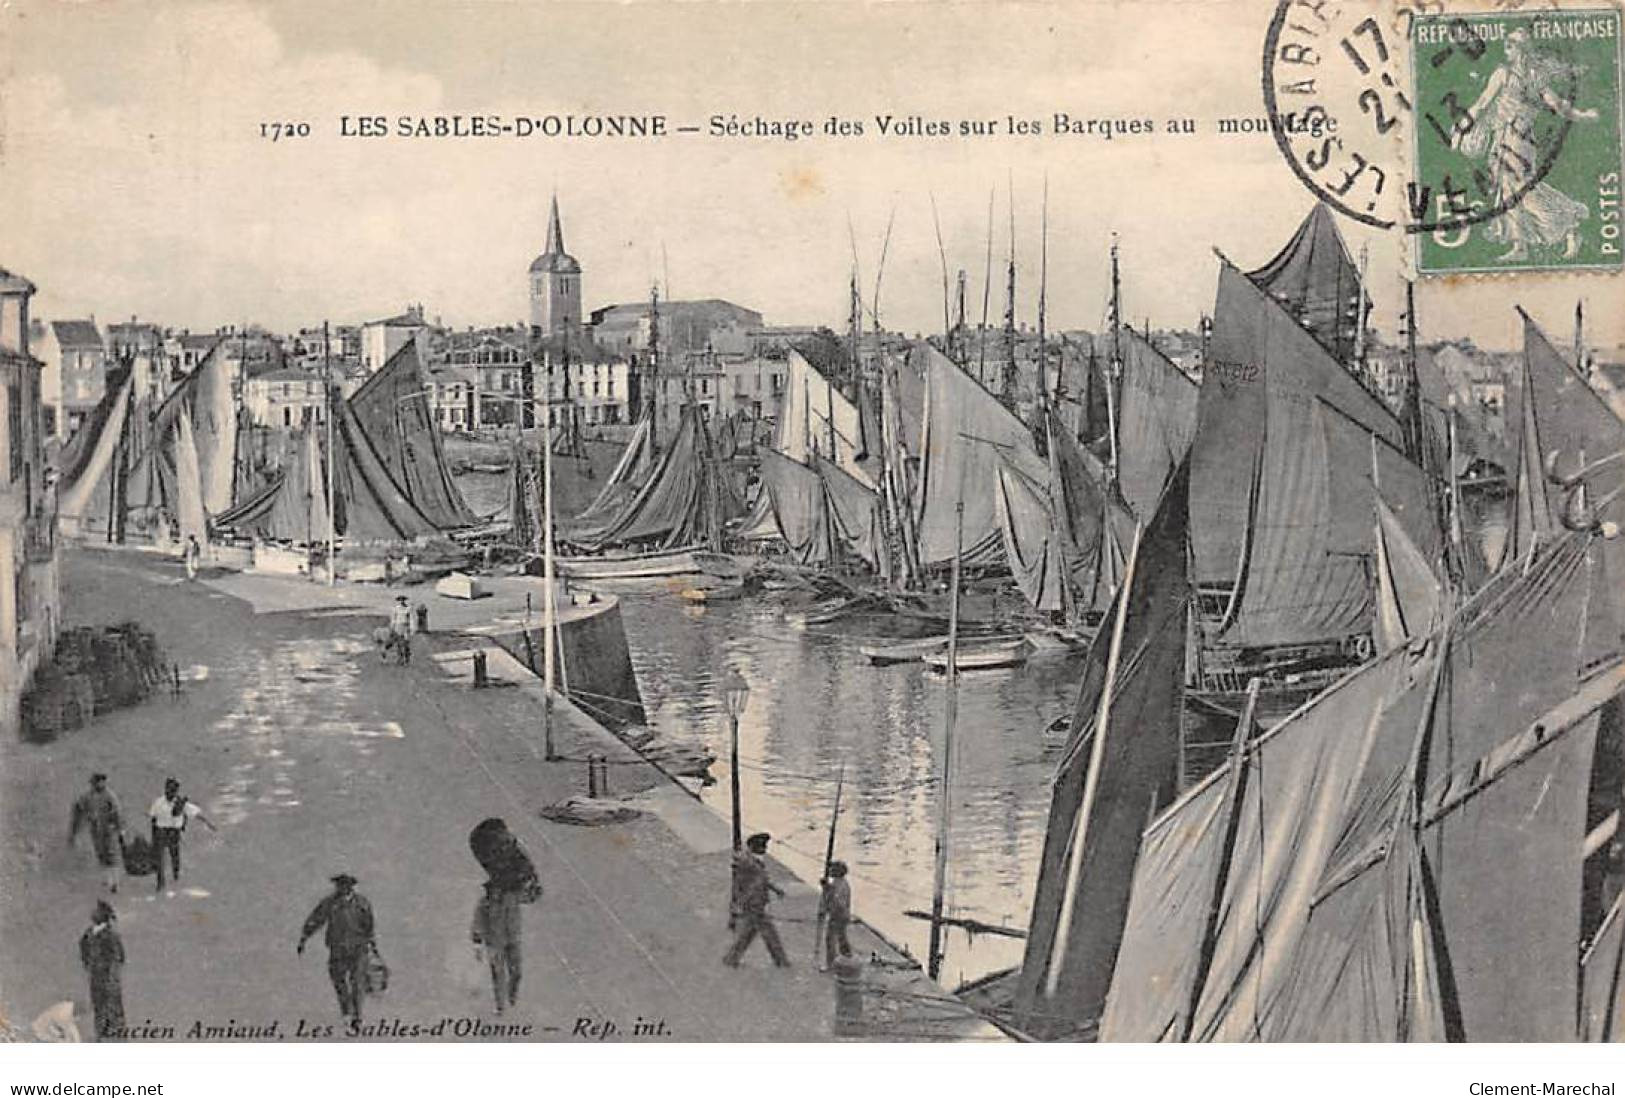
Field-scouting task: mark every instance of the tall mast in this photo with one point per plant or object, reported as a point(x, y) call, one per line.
point(653, 371)
point(1579, 337)
point(1360, 313)
point(1043, 289)
point(1115, 369)
point(958, 337)
point(1010, 377)
point(855, 327)
point(942, 259)
point(550, 602)
point(950, 714)
point(987, 293)
point(327, 393)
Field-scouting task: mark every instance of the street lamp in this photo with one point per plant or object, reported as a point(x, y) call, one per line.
point(735, 693)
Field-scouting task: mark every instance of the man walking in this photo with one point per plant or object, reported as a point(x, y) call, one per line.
point(752, 890)
point(496, 934)
point(194, 555)
point(400, 629)
point(348, 918)
point(101, 951)
point(169, 814)
point(835, 905)
point(99, 809)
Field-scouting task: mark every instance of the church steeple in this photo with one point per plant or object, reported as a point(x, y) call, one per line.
point(555, 231)
point(555, 284)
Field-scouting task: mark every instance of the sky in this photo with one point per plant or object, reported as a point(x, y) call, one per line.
point(132, 158)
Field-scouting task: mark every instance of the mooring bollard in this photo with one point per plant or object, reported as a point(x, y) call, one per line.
point(480, 679)
point(420, 615)
point(848, 995)
point(592, 776)
point(603, 775)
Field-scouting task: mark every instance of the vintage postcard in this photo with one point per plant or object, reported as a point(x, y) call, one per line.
point(712, 522)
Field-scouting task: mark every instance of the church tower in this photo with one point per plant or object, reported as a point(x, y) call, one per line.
point(555, 285)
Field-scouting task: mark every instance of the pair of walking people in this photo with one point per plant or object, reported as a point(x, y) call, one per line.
point(752, 891)
point(98, 811)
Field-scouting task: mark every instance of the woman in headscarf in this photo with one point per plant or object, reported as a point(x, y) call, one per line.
point(102, 953)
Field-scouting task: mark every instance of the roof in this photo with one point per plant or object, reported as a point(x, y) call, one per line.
point(409, 319)
point(285, 374)
point(14, 283)
point(713, 307)
point(76, 333)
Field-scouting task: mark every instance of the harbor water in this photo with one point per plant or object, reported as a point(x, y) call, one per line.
point(817, 706)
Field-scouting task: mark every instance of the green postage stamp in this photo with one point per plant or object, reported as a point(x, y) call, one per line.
point(1518, 138)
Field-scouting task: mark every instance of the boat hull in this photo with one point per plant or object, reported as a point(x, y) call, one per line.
point(656, 565)
point(980, 657)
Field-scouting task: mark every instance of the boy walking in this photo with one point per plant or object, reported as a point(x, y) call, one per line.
point(835, 905)
point(169, 814)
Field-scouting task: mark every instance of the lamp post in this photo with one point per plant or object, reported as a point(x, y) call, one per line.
point(735, 693)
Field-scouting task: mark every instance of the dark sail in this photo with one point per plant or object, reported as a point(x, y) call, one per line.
point(1111, 777)
point(392, 407)
point(1316, 283)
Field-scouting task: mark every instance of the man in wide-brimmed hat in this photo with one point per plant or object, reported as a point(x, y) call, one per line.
point(752, 890)
point(348, 918)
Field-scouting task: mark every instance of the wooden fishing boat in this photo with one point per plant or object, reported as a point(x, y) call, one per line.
point(1055, 642)
point(885, 654)
point(652, 565)
point(821, 613)
point(980, 657)
point(889, 653)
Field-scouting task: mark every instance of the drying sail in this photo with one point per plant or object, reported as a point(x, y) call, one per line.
point(795, 499)
point(293, 508)
point(1316, 283)
point(368, 504)
point(855, 518)
point(1032, 541)
point(1407, 587)
point(1488, 726)
point(87, 461)
point(685, 501)
point(1261, 469)
point(630, 472)
point(817, 419)
point(966, 434)
point(1113, 774)
point(392, 408)
point(1156, 419)
point(189, 510)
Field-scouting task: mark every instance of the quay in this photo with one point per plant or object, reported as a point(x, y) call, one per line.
point(315, 756)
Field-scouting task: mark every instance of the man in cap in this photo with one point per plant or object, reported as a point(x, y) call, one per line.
point(348, 918)
point(99, 809)
point(400, 629)
point(169, 814)
point(101, 951)
point(835, 904)
point(752, 890)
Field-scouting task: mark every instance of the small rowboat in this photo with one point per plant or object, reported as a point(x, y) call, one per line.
point(721, 593)
point(887, 654)
point(981, 657)
point(827, 611)
point(1046, 642)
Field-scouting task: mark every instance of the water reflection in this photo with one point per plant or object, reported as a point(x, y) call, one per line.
point(816, 704)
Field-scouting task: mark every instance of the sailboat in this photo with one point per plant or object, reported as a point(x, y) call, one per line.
point(672, 526)
point(1282, 485)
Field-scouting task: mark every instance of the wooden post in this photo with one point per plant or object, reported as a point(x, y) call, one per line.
point(829, 858)
point(950, 713)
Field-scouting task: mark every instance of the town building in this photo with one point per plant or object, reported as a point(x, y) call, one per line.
point(380, 339)
point(555, 286)
point(30, 592)
point(142, 346)
point(75, 375)
point(284, 398)
point(684, 326)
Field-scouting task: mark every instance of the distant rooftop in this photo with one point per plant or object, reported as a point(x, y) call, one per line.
point(76, 333)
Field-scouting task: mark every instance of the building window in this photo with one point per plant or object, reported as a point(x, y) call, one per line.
point(14, 431)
